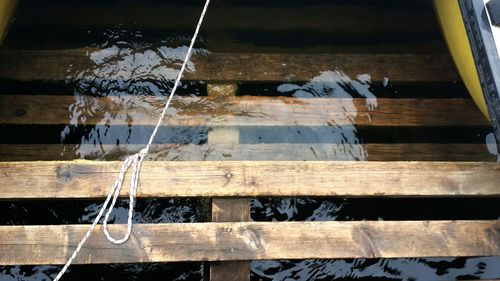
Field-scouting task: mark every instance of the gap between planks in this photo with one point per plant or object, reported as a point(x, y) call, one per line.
point(253, 152)
point(252, 241)
point(91, 179)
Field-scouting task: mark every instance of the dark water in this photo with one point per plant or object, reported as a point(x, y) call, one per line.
point(134, 50)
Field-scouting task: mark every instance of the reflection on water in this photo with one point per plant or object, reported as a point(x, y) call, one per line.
point(119, 69)
point(336, 84)
point(376, 269)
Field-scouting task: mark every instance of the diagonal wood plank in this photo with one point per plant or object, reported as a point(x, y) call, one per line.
point(238, 111)
point(252, 241)
point(253, 152)
point(57, 65)
point(92, 179)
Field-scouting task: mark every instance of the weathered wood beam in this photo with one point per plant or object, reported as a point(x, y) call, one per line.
point(240, 111)
point(253, 152)
point(53, 65)
point(227, 209)
point(328, 17)
point(92, 179)
point(230, 210)
point(252, 241)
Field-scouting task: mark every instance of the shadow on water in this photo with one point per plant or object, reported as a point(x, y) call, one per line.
point(126, 69)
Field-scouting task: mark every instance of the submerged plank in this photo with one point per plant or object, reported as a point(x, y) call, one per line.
point(253, 152)
point(92, 179)
point(325, 16)
point(252, 241)
point(238, 111)
point(237, 27)
point(62, 65)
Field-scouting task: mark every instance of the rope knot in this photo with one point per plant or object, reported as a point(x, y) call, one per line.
point(134, 161)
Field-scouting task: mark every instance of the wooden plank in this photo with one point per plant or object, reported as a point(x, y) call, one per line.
point(383, 29)
point(252, 241)
point(223, 135)
point(328, 16)
point(230, 210)
point(89, 179)
point(253, 152)
point(53, 65)
point(242, 111)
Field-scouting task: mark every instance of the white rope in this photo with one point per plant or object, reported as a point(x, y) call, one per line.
point(135, 161)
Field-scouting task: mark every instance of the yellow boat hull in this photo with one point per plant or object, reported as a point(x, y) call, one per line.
point(453, 27)
point(7, 8)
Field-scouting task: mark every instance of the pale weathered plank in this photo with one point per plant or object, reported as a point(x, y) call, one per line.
point(55, 65)
point(84, 179)
point(252, 241)
point(238, 111)
point(253, 152)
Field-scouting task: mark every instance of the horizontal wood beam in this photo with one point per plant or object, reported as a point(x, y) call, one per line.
point(92, 179)
point(252, 241)
point(53, 65)
point(239, 111)
point(324, 17)
point(253, 152)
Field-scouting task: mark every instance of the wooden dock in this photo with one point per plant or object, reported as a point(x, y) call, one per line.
point(413, 145)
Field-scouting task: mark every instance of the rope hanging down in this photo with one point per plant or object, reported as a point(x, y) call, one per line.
point(134, 161)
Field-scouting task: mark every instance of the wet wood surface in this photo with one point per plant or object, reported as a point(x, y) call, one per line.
point(254, 152)
point(69, 64)
point(222, 15)
point(91, 179)
point(239, 111)
point(230, 210)
point(252, 241)
point(237, 26)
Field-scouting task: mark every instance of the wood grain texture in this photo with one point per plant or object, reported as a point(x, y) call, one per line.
point(252, 241)
point(230, 210)
point(253, 152)
point(91, 179)
point(222, 135)
point(227, 209)
point(57, 65)
point(240, 111)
